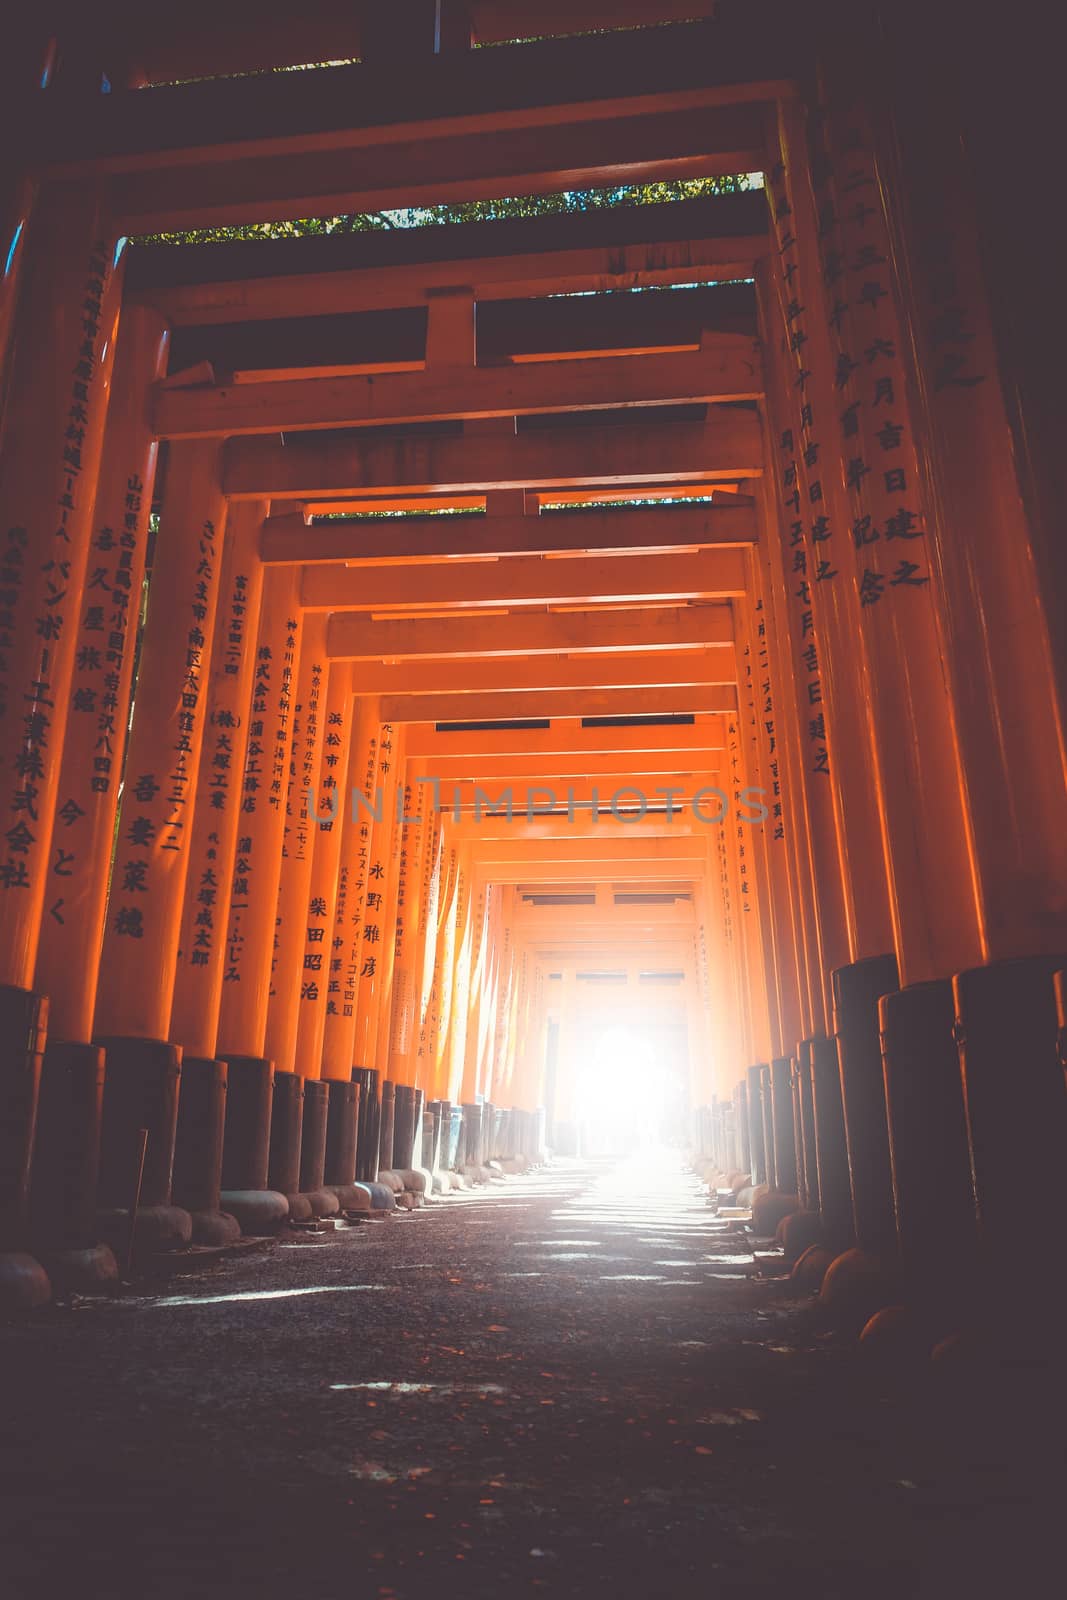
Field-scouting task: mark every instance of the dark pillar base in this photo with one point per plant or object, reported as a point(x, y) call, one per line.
point(342, 1131)
point(367, 1141)
point(286, 1128)
point(1015, 1101)
point(322, 1200)
point(403, 1127)
point(454, 1132)
point(806, 1095)
point(198, 1151)
point(260, 1211)
point(744, 1152)
point(473, 1136)
point(66, 1159)
point(835, 1191)
point(23, 1025)
point(857, 991)
point(386, 1127)
point(934, 1192)
point(756, 1143)
point(141, 1088)
point(767, 1118)
point(785, 1149)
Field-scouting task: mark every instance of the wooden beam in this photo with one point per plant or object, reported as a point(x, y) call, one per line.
point(726, 370)
point(594, 848)
point(528, 580)
point(523, 633)
point(605, 772)
point(468, 751)
point(288, 540)
point(728, 447)
point(520, 703)
point(288, 145)
point(689, 669)
point(471, 797)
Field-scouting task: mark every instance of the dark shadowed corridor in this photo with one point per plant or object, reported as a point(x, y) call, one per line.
point(573, 1383)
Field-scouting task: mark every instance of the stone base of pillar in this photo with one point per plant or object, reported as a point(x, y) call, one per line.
point(158, 1229)
point(934, 1192)
point(855, 1287)
point(835, 1192)
point(91, 1270)
point(24, 1283)
point(857, 990)
point(259, 1212)
point(1015, 1100)
point(66, 1158)
point(198, 1151)
point(23, 1023)
point(141, 1088)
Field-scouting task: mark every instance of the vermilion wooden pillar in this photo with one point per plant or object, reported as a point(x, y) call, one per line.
point(58, 380)
point(139, 958)
point(253, 897)
point(83, 829)
point(212, 852)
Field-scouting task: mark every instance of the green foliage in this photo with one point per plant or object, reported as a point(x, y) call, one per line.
point(530, 205)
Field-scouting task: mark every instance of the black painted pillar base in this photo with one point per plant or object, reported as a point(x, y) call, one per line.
point(342, 1133)
point(857, 990)
point(835, 1189)
point(403, 1128)
point(785, 1149)
point(66, 1168)
point(286, 1133)
point(369, 1135)
point(1015, 1101)
point(756, 1142)
point(198, 1151)
point(246, 1147)
point(932, 1185)
point(24, 1282)
point(141, 1088)
point(473, 1137)
point(387, 1127)
point(744, 1152)
point(313, 1129)
point(767, 1118)
point(809, 1157)
point(454, 1131)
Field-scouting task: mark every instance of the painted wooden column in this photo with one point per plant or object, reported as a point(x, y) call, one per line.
point(304, 769)
point(353, 1096)
point(217, 821)
point(198, 1155)
point(253, 897)
point(61, 341)
point(339, 1033)
point(377, 911)
point(83, 828)
point(418, 839)
point(996, 561)
point(139, 957)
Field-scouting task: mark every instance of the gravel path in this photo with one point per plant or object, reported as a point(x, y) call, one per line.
point(572, 1384)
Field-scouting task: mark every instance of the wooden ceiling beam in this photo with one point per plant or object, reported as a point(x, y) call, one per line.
point(727, 369)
